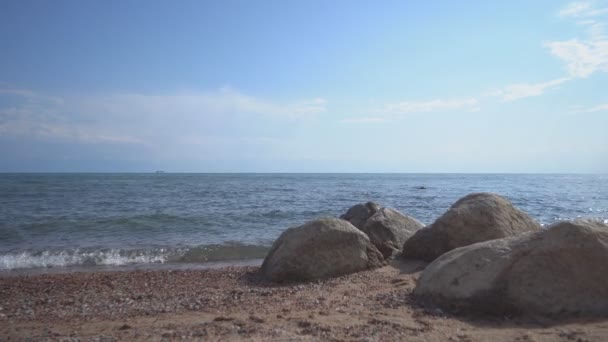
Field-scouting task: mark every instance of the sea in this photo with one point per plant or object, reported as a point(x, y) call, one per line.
point(65, 222)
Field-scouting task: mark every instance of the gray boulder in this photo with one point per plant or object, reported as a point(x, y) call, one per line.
point(474, 218)
point(388, 229)
point(360, 213)
point(559, 271)
point(320, 249)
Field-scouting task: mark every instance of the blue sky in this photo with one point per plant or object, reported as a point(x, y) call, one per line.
point(306, 86)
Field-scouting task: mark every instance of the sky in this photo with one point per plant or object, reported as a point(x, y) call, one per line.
point(304, 86)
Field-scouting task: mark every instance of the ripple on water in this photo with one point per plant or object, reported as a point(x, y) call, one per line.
point(46, 212)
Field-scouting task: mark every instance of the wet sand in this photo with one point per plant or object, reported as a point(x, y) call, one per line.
point(233, 303)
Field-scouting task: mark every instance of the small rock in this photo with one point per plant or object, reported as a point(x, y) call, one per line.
point(125, 327)
point(256, 319)
point(304, 324)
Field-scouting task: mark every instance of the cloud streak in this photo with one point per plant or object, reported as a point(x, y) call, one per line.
point(581, 9)
point(522, 90)
point(593, 109)
point(141, 119)
point(364, 120)
point(407, 107)
point(583, 57)
point(398, 110)
point(29, 95)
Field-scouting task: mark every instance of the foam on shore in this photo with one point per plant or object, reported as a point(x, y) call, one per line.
point(85, 258)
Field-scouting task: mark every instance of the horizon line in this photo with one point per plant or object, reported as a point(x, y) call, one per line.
point(301, 173)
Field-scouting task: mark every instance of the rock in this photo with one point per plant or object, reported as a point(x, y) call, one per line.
point(360, 213)
point(559, 271)
point(223, 319)
point(388, 229)
point(257, 319)
point(474, 218)
point(320, 249)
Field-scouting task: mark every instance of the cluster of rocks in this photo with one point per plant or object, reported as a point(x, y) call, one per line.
point(484, 254)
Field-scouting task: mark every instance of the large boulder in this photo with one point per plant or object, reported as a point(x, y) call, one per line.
point(559, 271)
point(320, 249)
point(388, 229)
point(474, 218)
point(360, 213)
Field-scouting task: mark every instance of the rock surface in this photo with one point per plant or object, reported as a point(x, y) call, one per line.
point(388, 229)
point(358, 214)
point(320, 249)
point(474, 218)
point(559, 271)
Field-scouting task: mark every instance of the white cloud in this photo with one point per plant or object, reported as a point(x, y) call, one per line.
point(39, 122)
point(595, 30)
point(523, 90)
point(142, 119)
point(29, 95)
point(230, 100)
point(364, 120)
point(397, 110)
point(598, 108)
point(581, 9)
point(222, 101)
point(575, 9)
point(407, 107)
point(583, 57)
point(212, 140)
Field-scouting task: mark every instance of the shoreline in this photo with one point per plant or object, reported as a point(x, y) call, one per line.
point(185, 266)
point(234, 303)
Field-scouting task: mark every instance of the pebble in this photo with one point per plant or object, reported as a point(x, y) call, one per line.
point(257, 319)
point(121, 296)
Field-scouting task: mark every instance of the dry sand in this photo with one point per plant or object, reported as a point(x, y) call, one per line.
point(233, 303)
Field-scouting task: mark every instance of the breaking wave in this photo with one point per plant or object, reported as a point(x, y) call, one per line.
point(122, 257)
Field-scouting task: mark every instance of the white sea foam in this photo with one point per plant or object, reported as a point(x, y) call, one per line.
point(120, 257)
point(110, 257)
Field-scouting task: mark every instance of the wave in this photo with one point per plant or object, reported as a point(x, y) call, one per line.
point(123, 257)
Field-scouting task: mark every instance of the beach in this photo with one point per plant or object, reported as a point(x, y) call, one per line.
point(235, 303)
point(149, 258)
point(304, 171)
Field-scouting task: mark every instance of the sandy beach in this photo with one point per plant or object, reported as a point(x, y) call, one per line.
point(233, 303)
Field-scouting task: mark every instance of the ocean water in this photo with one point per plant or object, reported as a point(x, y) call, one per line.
point(76, 221)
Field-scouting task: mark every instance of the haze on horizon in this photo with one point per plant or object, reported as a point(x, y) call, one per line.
point(308, 86)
